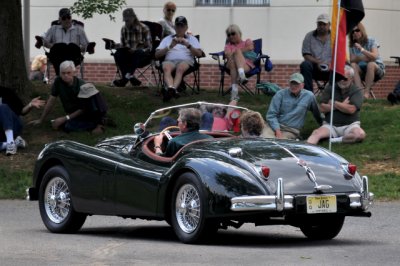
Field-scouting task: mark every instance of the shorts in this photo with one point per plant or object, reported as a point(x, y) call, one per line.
point(379, 72)
point(175, 63)
point(341, 130)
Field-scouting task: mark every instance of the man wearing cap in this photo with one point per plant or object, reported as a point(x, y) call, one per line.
point(178, 52)
point(134, 49)
point(66, 40)
point(317, 53)
point(73, 93)
point(288, 109)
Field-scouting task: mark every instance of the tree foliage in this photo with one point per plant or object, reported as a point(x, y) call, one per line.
point(86, 8)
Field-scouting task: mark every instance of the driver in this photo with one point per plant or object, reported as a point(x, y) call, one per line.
point(189, 125)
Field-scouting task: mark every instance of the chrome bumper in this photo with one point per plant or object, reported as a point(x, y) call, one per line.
point(362, 200)
point(280, 202)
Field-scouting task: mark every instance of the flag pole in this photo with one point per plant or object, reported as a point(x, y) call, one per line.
point(334, 74)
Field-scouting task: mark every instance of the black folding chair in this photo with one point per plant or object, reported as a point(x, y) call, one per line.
point(62, 51)
point(146, 65)
point(194, 70)
point(256, 71)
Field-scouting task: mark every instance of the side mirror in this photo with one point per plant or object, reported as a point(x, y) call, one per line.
point(139, 129)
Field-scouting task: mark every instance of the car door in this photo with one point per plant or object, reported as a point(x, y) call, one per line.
point(137, 185)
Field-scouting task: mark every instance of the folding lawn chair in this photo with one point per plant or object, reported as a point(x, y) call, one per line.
point(256, 71)
point(58, 52)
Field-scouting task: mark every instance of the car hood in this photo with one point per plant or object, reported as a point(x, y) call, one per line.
point(292, 161)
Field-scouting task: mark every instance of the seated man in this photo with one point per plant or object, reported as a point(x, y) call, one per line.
point(66, 41)
point(178, 51)
point(134, 49)
point(317, 53)
point(189, 125)
point(346, 112)
point(11, 107)
point(288, 110)
point(81, 114)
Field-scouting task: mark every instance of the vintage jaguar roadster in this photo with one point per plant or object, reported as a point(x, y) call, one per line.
point(208, 185)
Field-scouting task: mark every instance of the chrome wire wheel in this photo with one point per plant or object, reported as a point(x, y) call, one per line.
point(187, 207)
point(57, 200)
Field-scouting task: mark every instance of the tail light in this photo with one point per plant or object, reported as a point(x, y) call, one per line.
point(265, 171)
point(352, 169)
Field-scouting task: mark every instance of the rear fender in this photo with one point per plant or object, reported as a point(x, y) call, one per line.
point(221, 182)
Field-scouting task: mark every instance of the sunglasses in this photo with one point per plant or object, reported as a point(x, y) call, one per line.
point(356, 30)
point(171, 10)
point(229, 34)
point(65, 17)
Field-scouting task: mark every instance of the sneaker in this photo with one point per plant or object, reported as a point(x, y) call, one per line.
point(243, 81)
point(134, 81)
point(20, 142)
point(120, 82)
point(11, 149)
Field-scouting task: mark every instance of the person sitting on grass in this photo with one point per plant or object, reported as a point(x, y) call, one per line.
point(346, 112)
point(81, 114)
point(11, 107)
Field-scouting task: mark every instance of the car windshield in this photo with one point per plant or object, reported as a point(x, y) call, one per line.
point(215, 117)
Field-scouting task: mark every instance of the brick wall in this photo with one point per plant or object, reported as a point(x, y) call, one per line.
point(210, 76)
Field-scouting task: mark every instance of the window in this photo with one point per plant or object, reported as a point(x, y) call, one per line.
point(233, 2)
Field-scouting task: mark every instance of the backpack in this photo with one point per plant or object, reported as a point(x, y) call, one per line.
point(394, 97)
point(268, 88)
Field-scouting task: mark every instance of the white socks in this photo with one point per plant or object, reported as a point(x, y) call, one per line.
point(9, 135)
point(241, 73)
point(234, 92)
point(337, 140)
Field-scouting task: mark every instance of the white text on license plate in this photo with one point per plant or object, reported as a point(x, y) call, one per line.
point(321, 204)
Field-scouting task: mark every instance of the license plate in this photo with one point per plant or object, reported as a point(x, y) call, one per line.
point(321, 204)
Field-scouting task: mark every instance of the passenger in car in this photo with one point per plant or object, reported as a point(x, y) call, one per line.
point(252, 124)
point(189, 125)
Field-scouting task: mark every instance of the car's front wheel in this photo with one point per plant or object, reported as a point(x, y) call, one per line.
point(323, 228)
point(55, 205)
point(187, 210)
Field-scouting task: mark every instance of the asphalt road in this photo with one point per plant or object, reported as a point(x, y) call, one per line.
point(114, 241)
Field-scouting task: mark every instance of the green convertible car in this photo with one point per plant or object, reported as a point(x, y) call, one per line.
point(210, 184)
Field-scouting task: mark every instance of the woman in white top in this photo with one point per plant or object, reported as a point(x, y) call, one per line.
point(167, 21)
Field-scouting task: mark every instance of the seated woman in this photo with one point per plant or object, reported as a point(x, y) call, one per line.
point(240, 56)
point(189, 125)
point(218, 118)
point(365, 59)
point(252, 124)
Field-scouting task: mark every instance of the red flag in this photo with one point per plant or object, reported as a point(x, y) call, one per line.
point(350, 13)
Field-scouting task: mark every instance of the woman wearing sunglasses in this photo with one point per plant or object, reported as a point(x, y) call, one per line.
point(240, 56)
point(167, 21)
point(365, 59)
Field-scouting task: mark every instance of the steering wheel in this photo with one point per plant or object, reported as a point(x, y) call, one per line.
point(166, 130)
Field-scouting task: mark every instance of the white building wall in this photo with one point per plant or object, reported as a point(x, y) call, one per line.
point(282, 26)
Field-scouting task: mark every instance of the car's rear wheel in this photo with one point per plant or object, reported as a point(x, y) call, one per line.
point(55, 204)
point(323, 228)
point(187, 210)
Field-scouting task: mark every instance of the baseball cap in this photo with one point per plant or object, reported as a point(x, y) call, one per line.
point(128, 13)
point(87, 90)
point(181, 20)
point(323, 18)
point(64, 12)
point(296, 77)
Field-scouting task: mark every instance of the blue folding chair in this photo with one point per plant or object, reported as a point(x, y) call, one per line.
point(256, 71)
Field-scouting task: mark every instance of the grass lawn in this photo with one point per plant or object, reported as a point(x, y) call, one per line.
point(377, 157)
